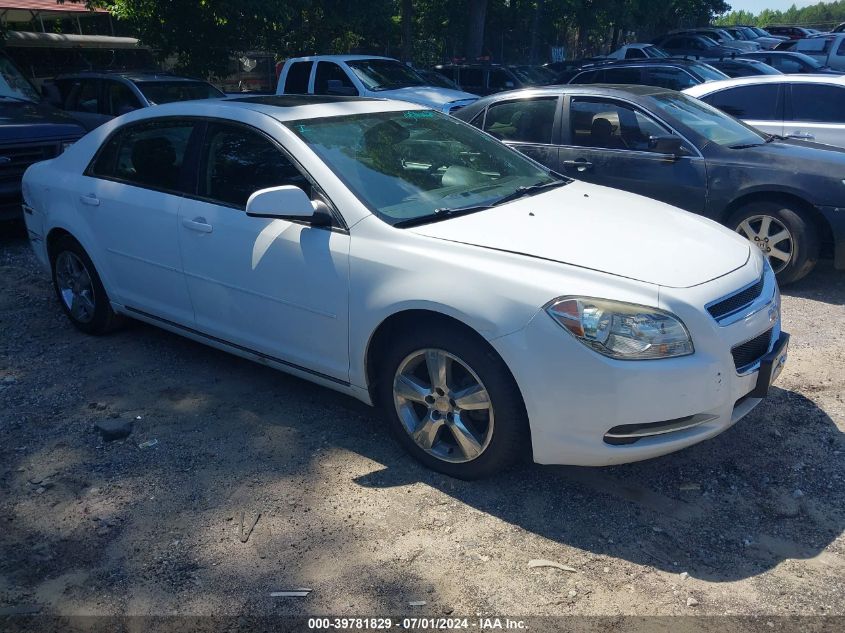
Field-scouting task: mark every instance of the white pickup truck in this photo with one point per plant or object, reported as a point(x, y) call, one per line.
point(366, 76)
point(828, 49)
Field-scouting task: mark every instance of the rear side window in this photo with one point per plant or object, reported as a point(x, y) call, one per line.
point(525, 121)
point(818, 104)
point(84, 96)
point(634, 53)
point(622, 76)
point(747, 102)
point(297, 78)
point(500, 80)
point(472, 79)
point(589, 77)
point(148, 155)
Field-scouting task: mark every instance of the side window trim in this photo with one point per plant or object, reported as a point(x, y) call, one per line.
point(125, 129)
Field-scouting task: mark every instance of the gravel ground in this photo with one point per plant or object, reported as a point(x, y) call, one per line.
point(748, 523)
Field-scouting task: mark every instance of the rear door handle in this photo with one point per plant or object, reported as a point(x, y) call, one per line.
point(91, 200)
point(197, 224)
point(802, 136)
point(580, 164)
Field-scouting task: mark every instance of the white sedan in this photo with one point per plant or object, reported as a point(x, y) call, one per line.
point(403, 257)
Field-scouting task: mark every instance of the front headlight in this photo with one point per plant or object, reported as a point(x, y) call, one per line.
point(624, 331)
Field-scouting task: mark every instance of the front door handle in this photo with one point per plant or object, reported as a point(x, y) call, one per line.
point(198, 224)
point(91, 200)
point(580, 164)
point(802, 136)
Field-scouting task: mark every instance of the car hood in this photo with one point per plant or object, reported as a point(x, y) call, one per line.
point(606, 230)
point(427, 95)
point(22, 122)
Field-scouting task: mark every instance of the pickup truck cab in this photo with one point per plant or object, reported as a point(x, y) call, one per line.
point(366, 76)
point(30, 131)
point(828, 49)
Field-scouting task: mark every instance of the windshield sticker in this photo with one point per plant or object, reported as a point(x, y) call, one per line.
point(418, 114)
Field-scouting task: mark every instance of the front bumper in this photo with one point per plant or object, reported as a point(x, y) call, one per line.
point(577, 400)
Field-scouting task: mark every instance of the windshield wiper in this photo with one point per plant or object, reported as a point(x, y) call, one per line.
point(443, 213)
point(524, 191)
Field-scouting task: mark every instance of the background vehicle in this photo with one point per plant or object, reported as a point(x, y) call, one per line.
point(792, 63)
point(437, 79)
point(742, 67)
point(30, 131)
point(801, 107)
point(94, 98)
point(723, 38)
point(749, 34)
point(675, 74)
point(366, 76)
point(676, 149)
point(252, 71)
point(483, 79)
point(315, 235)
point(693, 45)
point(828, 50)
point(638, 51)
point(42, 56)
point(792, 32)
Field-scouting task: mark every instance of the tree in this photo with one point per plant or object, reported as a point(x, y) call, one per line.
point(475, 28)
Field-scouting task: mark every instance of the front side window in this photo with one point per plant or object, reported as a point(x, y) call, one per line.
point(237, 162)
point(159, 92)
point(332, 80)
point(472, 79)
point(297, 78)
point(121, 99)
point(523, 121)
point(411, 166)
point(604, 124)
point(672, 78)
point(759, 103)
point(84, 96)
point(634, 53)
point(500, 80)
point(818, 104)
point(385, 74)
point(148, 154)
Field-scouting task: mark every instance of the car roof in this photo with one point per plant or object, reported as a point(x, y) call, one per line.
point(338, 58)
point(714, 86)
point(598, 90)
point(282, 107)
point(134, 76)
point(652, 61)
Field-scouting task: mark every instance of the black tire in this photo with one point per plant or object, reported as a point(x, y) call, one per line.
point(102, 319)
point(805, 240)
point(510, 439)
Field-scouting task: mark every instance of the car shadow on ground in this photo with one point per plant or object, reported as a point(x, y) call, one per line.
point(825, 284)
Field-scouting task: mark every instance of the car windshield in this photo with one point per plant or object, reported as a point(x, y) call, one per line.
point(707, 72)
point(709, 41)
point(812, 61)
point(159, 92)
point(385, 74)
point(13, 85)
point(419, 165)
point(714, 125)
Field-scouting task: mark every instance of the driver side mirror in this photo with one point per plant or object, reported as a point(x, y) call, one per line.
point(670, 145)
point(287, 203)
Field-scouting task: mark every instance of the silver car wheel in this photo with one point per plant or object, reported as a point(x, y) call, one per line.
point(443, 405)
point(770, 236)
point(75, 286)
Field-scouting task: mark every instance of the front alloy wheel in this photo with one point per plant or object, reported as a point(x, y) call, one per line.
point(771, 237)
point(443, 405)
point(75, 287)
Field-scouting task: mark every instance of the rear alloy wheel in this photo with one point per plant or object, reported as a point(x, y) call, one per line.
point(785, 237)
point(79, 289)
point(452, 403)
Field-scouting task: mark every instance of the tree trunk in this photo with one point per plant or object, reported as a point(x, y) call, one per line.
point(407, 30)
point(535, 26)
point(475, 28)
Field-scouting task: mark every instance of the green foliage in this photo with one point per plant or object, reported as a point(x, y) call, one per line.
point(203, 33)
point(822, 15)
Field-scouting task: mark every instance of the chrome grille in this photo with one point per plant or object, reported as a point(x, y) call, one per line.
point(735, 302)
point(748, 353)
point(15, 159)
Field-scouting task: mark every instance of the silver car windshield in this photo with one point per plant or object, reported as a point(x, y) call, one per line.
point(416, 164)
